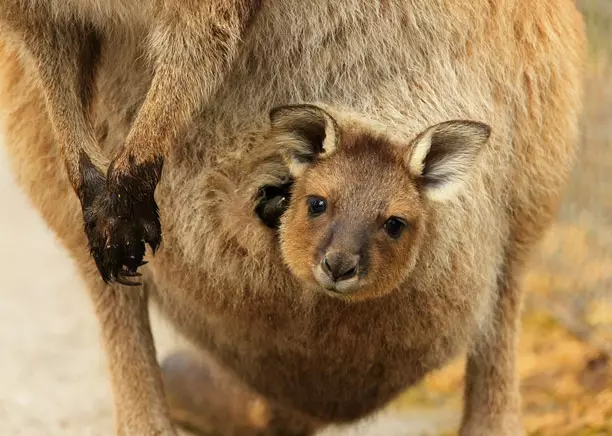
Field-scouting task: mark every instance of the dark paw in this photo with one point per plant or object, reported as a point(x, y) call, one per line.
point(118, 229)
point(121, 216)
point(273, 201)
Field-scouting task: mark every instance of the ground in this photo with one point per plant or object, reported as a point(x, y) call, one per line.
point(53, 378)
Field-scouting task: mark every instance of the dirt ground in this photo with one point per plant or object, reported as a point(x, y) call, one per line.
point(53, 378)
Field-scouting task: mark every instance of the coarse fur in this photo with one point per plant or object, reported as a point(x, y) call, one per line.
point(384, 72)
point(191, 45)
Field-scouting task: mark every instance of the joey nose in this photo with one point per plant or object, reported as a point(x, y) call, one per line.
point(340, 266)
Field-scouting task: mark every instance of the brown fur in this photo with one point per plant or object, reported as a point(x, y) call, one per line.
point(192, 45)
point(383, 69)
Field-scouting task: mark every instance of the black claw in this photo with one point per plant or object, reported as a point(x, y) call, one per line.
point(105, 276)
point(128, 273)
point(144, 262)
point(131, 263)
point(122, 280)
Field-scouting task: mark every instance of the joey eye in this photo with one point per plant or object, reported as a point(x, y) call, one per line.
point(316, 206)
point(394, 227)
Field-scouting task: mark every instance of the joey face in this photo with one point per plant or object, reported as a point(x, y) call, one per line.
point(354, 222)
point(358, 211)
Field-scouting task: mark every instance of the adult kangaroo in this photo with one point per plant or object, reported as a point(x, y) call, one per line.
point(351, 208)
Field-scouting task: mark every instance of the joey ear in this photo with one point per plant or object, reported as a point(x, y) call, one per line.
point(442, 156)
point(303, 133)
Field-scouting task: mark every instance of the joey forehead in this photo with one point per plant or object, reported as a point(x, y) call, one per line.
point(365, 175)
point(360, 170)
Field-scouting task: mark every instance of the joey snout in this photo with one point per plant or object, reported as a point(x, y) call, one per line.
point(338, 271)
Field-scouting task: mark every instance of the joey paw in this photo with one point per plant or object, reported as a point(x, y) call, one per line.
point(272, 203)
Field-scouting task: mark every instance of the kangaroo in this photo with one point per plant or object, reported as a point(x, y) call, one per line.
point(191, 43)
point(351, 210)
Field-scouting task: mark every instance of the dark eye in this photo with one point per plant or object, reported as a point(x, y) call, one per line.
point(316, 206)
point(394, 227)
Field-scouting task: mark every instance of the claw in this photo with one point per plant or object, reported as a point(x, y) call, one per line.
point(126, 282)
point(131, 263)
point(127, 273)
point(144, 262)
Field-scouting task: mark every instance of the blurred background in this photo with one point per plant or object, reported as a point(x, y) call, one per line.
point(53, 378)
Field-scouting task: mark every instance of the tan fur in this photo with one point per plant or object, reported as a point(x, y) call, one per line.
point(191, 44)
point(390, 68)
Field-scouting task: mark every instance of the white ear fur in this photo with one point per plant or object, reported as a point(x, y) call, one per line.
point(303, 133)
point(442, 156)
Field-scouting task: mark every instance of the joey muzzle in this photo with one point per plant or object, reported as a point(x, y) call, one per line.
point(340, 266)
point(338, 271)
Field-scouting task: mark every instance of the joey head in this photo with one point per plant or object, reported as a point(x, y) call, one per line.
point(358, 214)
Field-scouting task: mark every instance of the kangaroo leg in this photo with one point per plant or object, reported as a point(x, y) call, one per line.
point(193, 47)
point(30, 142)
point(138, 392)
point(64, 57)
point(492, 401)
point(210, 400)
point(205, 398)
